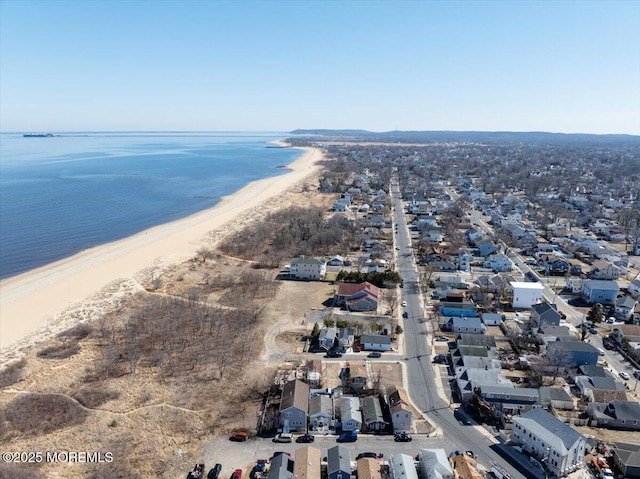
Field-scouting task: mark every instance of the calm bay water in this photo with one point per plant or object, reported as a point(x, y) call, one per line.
point(61, 195)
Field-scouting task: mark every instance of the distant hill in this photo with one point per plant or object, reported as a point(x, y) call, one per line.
point(473, 136)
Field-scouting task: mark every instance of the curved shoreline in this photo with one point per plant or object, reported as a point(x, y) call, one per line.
point(30, 301)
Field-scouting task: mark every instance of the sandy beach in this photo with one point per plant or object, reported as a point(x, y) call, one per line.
point(32, 304)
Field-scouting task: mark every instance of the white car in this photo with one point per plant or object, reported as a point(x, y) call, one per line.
point(624, 375)
point(404, 304)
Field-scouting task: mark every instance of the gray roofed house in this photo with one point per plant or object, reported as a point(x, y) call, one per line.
point(460, 363)
point(550, 440)
point(615, 415)
point(434, 464)
point(476, 340)
point(572, 353)
point(350, 415)
point(372, 415)
point(402, 466)
point(281, 467)
point(467, 325)
point(557, 397)
point(320, 412)
point(472, 378)
point(593, 370)
point(545, 313)
point(549, 333)
point(375, 342)
point(294, 406)
point(600, 291)
point(510, 400)
point(338, 463)
point(626, 456)
point(327, 338)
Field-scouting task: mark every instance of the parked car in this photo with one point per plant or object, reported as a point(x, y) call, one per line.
point(350, 436)
point(197, 472)
point(593, 330)
point(402, 437)
point(601, 352)
point(636, 374)
point(332, 353)
point(403, 304)
point(610, 320)
point(283, 437)
point(214, 472)
point(374, 354)
point(372, 455)
point(237, 474)
point(239, 436)
point(307, 438)
point(440, 358)
point(624, 375)
point(442, 338)
point(405, 315)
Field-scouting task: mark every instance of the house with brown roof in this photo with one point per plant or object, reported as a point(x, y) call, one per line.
point(358, 296)
point(307, 463)
point(294, 406)
point(368, 468)
point(630, 332)
point(401, 412)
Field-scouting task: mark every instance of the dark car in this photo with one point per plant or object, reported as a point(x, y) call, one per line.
point(440, 358)
point(366, 454)
point(197, 472)
point(374, 354)
point(402, 437)
point(332, 353)
point(307, 438)
point(214, 472)
point(593, 330)
point(350, 436)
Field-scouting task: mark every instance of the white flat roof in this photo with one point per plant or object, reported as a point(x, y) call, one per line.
point(524, 285)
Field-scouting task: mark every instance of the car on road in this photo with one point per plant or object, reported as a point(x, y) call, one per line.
point(332, 353)
point(374, 354)
point(610, 320)
point(350, 436)
point(214, 472)
point(403, 304)
point(442, 338)
point(405, 315)
point(601, 352)
point(306, 438)
point(593, 330)
point(624, 375)
point(402, 437)
point(440, 358)
point(283, 437)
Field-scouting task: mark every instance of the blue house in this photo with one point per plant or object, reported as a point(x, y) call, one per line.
point(467, 325)
point(461, 310)
point(600, 291)
point(572, 353)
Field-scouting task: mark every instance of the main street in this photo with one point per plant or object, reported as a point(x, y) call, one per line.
point(421, 383)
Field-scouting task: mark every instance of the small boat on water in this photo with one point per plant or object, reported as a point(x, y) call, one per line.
point(38, 135)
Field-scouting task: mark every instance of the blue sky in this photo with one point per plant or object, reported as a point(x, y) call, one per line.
point(419, 65)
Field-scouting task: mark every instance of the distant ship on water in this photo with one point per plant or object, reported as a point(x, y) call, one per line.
point(38, 135)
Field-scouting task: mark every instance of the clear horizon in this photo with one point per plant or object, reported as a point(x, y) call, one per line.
point(558, 67)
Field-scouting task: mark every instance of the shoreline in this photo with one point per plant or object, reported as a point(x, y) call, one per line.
point(34, 302)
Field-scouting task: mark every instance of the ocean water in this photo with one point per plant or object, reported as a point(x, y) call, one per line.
point(61, 195)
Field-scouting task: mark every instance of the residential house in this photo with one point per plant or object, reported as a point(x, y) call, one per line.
point(372, 416)
point(434, 464)
point(626, 457)
point(294, 406)
point(402, 466)
point(625, 306)
point(320, 413)
point(488, 342)
point(615, 415)
point(545, 313)
point(560, 447)
point(525, 294)
point(626, 332)
point(355, 377)
point(470, 379)
point(600, 291)
point(492, 319)
point(464, 467)
point(467, 325)
point(346, 338)
point(443, 265)
point(350, 415)
point(509, 400)
point(308, 268)
point(401, 416)
point(431, 234)
point(337, 260)
point(451, 280)
point(604, 270)
point(338, 463)
point(375, 342)
point(281, 467)
point(368, 468)
point(465, 309)
point(556, 397)
point(464, 260)
point(557, 267)
point(307, 463)
point(498, 263)
point(358, 296)
point(634, 288)
point(327, 338)
point(549, 334)
point(593, 388)
point(572, 353)
point(486, 247)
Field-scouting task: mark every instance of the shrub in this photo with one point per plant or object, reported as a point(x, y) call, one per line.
point(32, 414)
point(95, 395)
point(59, 351)
point(12, 373)
point(78, 332)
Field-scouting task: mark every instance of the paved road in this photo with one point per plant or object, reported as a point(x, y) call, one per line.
point(420, 374)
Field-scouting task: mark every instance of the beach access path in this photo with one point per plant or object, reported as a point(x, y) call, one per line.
point(30, 303)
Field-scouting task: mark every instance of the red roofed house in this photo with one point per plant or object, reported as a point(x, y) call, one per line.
point(358, 296)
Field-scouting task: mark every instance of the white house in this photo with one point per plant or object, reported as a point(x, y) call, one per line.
point(308, 268)
point(320, 412)
point(350, 414)
point(559, 447)
point(498, 262)
point(625, 306)
point(634, 288)
point(401, 466)
point(464, 260)
point(434, 464)
point(375, 342)
point(401, 413)
point(526, 294)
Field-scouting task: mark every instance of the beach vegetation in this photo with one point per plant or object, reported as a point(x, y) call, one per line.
point(62, 350)
point(93, 395)
point(77, 332)
point(12, 373)
point(384, 279)
point(23, 471)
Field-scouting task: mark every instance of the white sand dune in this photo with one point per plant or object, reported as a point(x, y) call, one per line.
point(32, 302)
